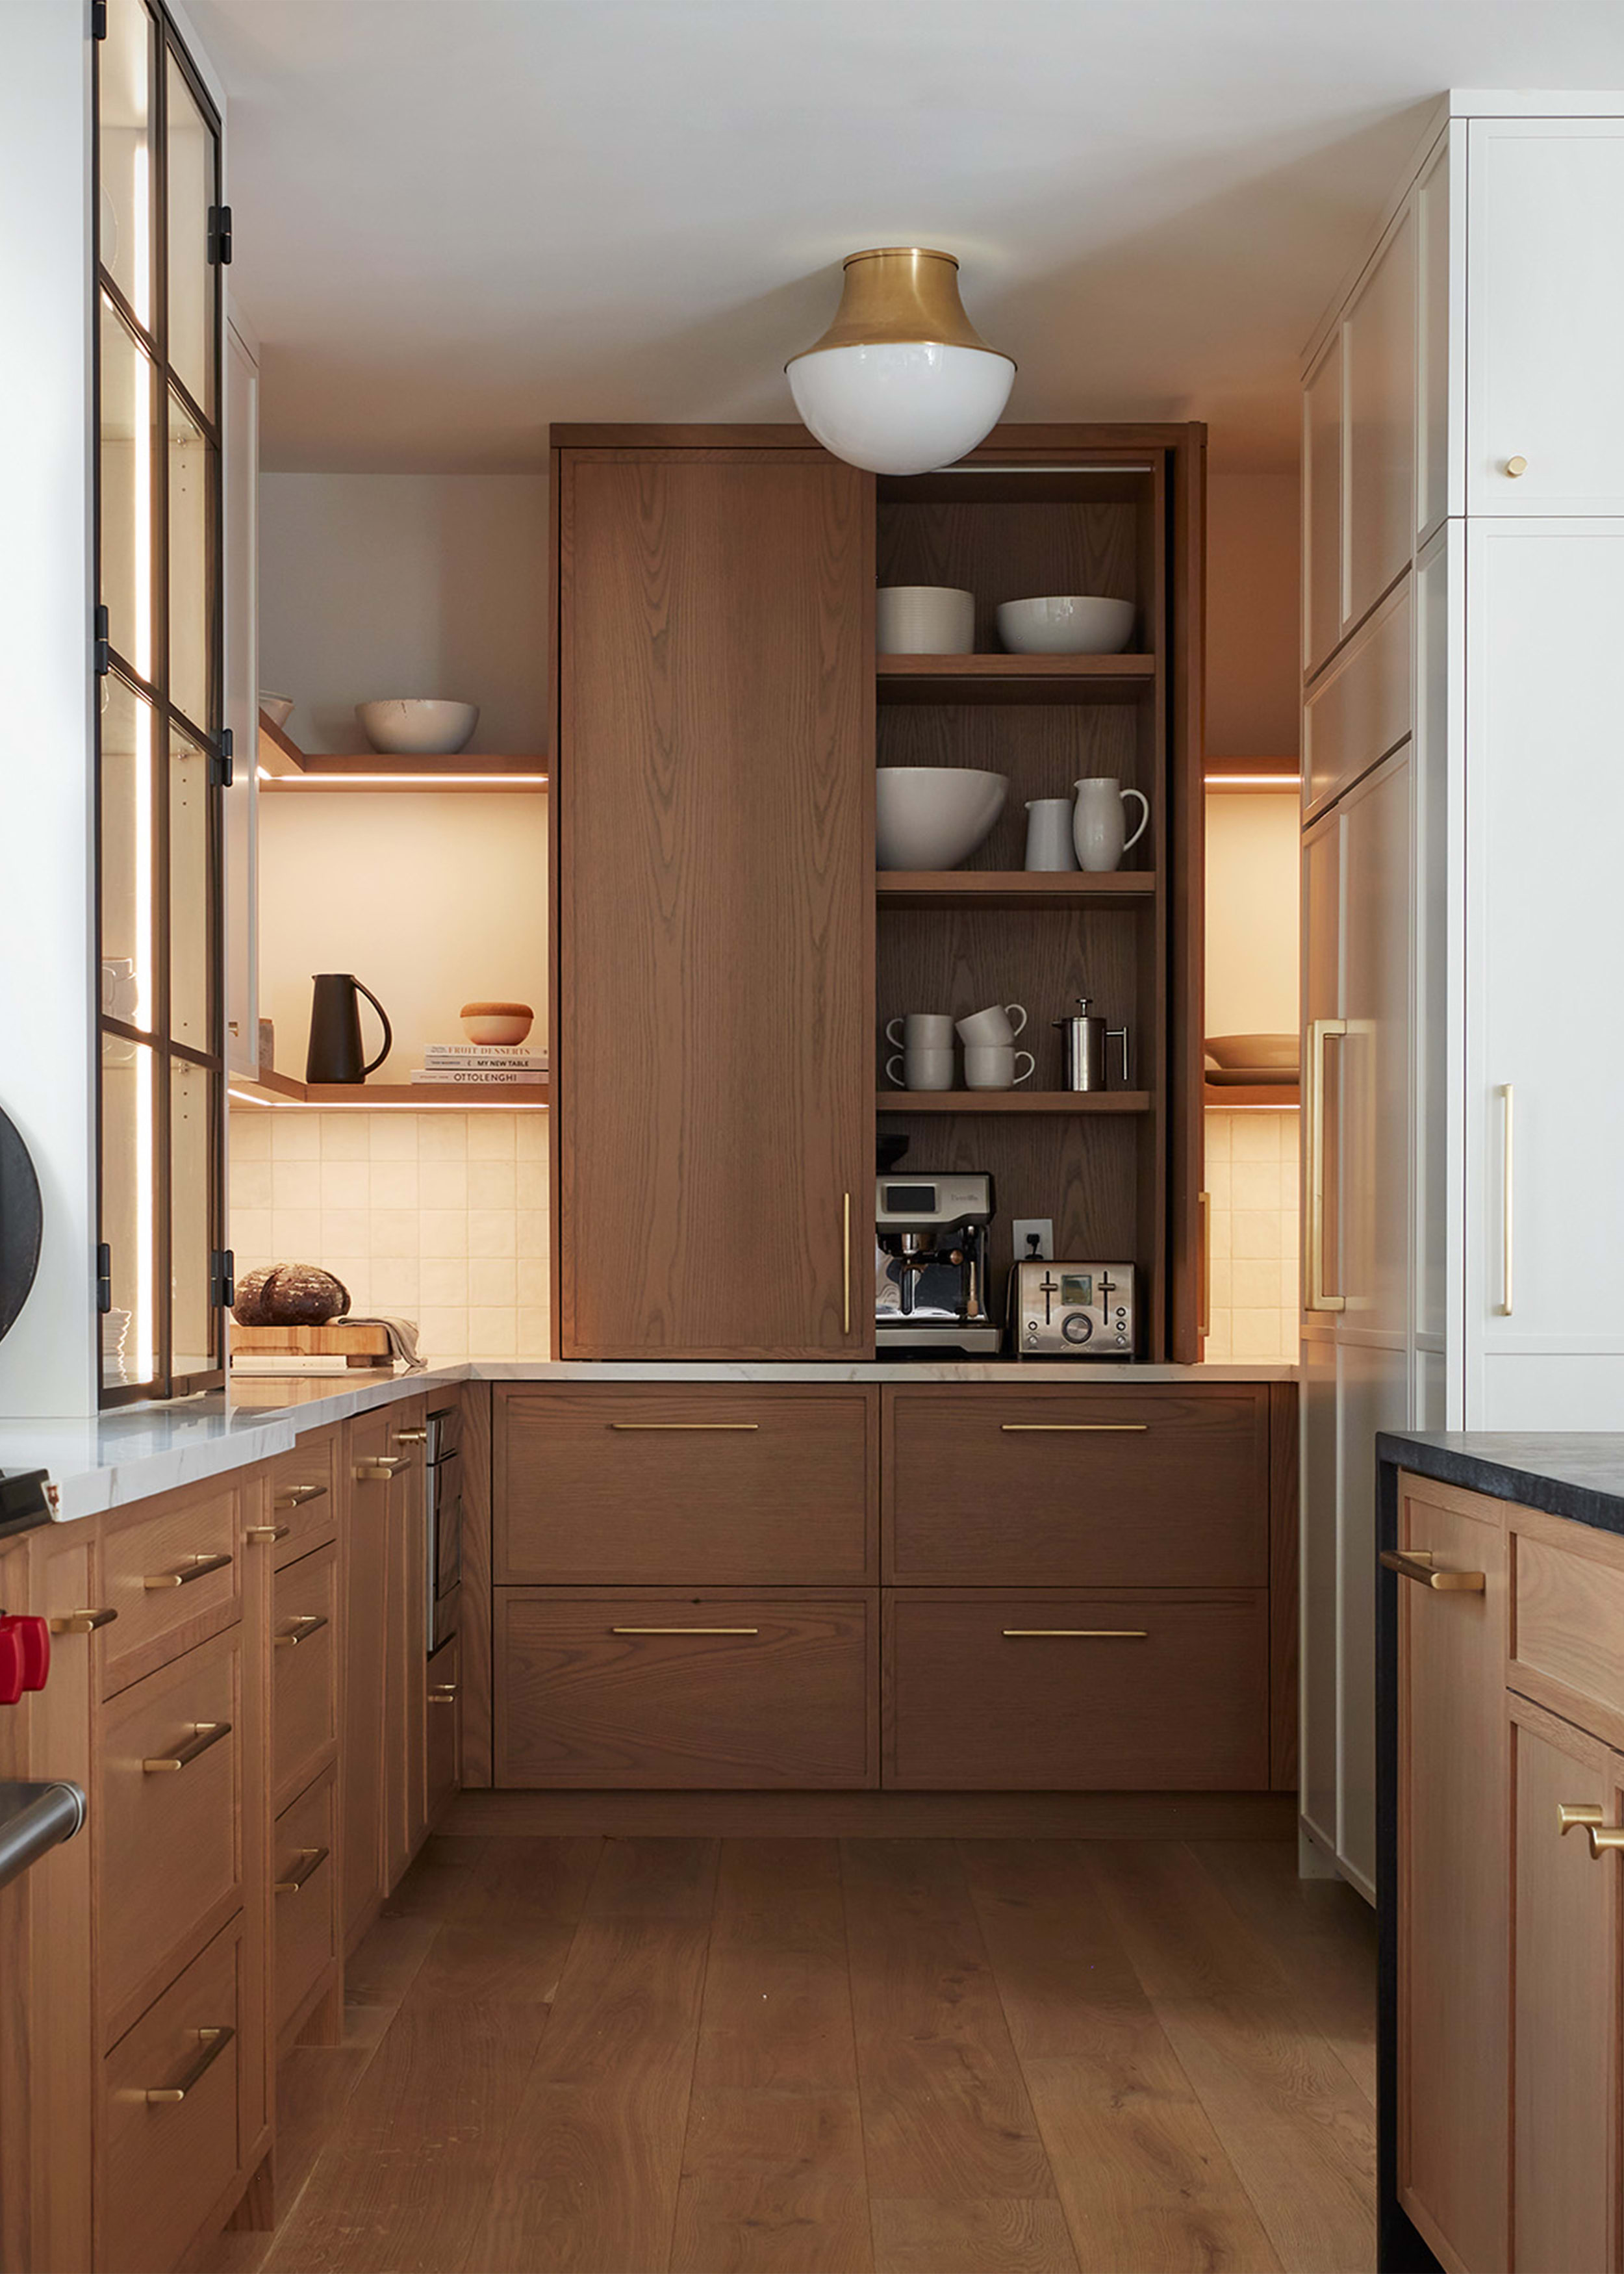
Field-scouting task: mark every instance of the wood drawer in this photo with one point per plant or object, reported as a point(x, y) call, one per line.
point(1568, 1619)
point(169, 1841)
point(304, 1672)
point(304, 1893)
point(785, 1699)
point(174, 1576)
point(983, 1694)
point(1131, 1487)
point(443, 1744)
point(700, 1484)
point(168, 2163)
point(304, 1493)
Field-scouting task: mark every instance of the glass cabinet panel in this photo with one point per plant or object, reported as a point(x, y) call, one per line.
point(128, 756)
point(190, 191)
point(129, 1227)
point(192, 1178)
point(192, 957)
point(125, 206)
point(128, 529)
point(193, 591)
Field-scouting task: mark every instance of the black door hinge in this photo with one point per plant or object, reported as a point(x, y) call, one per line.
point(222, 1278)
point(219, 767)
point(98, 20)
point(104, 1278)
point(101, 637)
point(220, 235)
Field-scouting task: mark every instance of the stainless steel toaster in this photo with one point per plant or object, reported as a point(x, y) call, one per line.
point(1073, 1310)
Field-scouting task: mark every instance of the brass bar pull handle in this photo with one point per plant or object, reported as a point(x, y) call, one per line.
point(846, 1264)
point(1570, 1817)
point(301, 1630)
point(195, 1567)
point(1077, 1634)
point(266, 1535)
point(81, 1622)
point(379, 1468)
point(204, 1734)
point(311, 1861)
point(1075, 1428)
point(1321, 1032)
point(684, 1630)
point(411, 1437)
point(635, 1426)
point(1204, 1206)
point(1417, 1564)
point(1506, 1220)
point(296, 1495)
point(444, 1693)
point(213, 2042)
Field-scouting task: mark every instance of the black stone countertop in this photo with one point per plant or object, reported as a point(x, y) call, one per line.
point(1575, 1473)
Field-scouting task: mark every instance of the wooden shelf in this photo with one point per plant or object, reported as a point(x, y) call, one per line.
point(1013, 1100)
point(282, 1089)
point(1011, 888)
point(284, 766)
point(1014, 678)
point(1229, 1096)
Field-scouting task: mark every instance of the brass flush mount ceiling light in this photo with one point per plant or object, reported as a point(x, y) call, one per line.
point(901, 382)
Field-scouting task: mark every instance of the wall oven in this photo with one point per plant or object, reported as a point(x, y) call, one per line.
point(442, 1474)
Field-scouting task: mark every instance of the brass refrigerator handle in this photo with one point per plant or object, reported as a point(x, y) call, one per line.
point(311, 1861)
point(1417, 1564)
point(1570, 1817)
point(1505, 1221)
point(195, 1567)
point(204, 1734)
point(213, 2042)
point(846, 1264)
point(1320, 1031)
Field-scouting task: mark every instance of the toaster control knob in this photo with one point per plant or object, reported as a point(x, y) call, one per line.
point(1076, 1326)
point(25, 1657)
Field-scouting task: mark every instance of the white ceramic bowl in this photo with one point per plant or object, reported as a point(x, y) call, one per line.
point(411, 726)
point(924, 620)
point(277, 708)
point(935, 817)
point(1065, 623)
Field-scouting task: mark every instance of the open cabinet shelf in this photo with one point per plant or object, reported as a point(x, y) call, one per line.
point(1012, 888)
point(1013, 1101)
point(283, 1090)
point(1014, 678)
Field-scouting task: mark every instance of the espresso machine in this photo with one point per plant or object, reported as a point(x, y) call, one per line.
point(930, 1266)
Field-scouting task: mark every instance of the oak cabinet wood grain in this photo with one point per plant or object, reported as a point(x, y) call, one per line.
point(304, 1893)
point(366, 1570)
point(405, 1789)
point(305, 1632)
point(712, 794)
point(173, 1571)
point(443, 1748)
point(306, 1493)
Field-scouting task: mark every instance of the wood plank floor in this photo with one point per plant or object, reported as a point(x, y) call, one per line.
point(788, 2056)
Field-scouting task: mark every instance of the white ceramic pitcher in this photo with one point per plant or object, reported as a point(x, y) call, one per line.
point(1099, 826)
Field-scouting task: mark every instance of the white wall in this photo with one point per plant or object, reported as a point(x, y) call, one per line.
point(1251, 911)
point(427, 584)
point(1253, 683)
point(47, 996)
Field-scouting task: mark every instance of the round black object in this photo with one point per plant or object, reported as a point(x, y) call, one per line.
point(22, 1223)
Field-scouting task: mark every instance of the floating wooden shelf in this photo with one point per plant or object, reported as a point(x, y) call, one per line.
point(1013, 1100)
point(283, 765)
point(1014, 678)
point(282, 1089)
point(1011, 888)
point(1227, 1098)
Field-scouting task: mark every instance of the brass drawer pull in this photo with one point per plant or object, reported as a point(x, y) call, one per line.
point(379, 1468)
point(1417, 1564)
point(204, 1734)
point(677, 1630)
point(1077, 1634)
point(296, 1495)
point(1571, 1818)
point(846, 1264)
point(195, 1567)
point(684, 1425)
point(266, 1535)
point(443, 1694)
point(411, 1437)
point(311, 1622)
point(213, 2042)
point(1075, 1428)
point(311, 1861)
point(82, 1622)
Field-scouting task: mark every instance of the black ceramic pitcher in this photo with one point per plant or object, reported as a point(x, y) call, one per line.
point(334, 1053)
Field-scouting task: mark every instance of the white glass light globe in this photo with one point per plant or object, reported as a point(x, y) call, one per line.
point(900, 407)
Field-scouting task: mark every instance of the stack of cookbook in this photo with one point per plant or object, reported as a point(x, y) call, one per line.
point(521, 1066)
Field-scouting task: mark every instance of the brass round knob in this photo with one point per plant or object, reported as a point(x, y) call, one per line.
point(1516, 466)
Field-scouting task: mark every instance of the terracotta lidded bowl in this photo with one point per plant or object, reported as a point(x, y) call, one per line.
point(503, 1024)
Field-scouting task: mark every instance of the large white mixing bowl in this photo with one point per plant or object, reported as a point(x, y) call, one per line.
point(1065, 623)
point(935, 817)
point(417, 726)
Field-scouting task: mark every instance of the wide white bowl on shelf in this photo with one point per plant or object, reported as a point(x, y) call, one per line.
point(414, 726)
point(1065, 623)
point(1278, 1053)
point(935, 817)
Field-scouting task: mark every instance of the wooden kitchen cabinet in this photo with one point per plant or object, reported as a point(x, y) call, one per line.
point(405, 1773)
point(367, 1578)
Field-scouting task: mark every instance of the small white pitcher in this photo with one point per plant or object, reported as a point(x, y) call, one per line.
point(1099, 826)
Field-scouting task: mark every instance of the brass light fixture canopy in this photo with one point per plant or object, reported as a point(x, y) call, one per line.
point(900, 295)
point(902, 381)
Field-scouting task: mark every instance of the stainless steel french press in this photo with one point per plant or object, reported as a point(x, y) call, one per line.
point(1086, 1039)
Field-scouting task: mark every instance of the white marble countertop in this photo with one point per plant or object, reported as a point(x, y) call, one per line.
point(137, 1450)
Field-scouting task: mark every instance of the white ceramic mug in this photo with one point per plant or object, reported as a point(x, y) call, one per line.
point(920, 1030)
point(924, 620)
point(922, 1069)
point(998, 1025)
point(991, 1066)
point(1099, 829)
point(1048, 835)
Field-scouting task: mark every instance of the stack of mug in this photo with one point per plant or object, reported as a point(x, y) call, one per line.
point(923, 1049)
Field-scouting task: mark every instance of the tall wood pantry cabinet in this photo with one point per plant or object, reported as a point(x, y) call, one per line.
point(1463, 578)
point(726, 956)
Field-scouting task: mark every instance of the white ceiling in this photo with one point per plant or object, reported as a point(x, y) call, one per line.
point(457, 220)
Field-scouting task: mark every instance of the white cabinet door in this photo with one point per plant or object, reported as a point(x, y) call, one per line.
point(1440, 304)
point(1545, 316)
point(1371, 1129)
point(1322, 507)
point(241, 454)
point(1379, 372)
point(1437, 766)
point(1546, 946)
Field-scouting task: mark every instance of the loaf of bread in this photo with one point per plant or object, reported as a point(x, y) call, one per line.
point(289, 1295)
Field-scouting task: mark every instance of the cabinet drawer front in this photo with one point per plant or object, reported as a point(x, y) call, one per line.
point(304, 1672)
point(304, 1884)
point(756, 1691)
point(1127, 1487)
point(1129, 1692)
point(174, 1578)
point(1361, 709)
point(168, 2163)
point(169, 1848)
point(1569, 1622)
point(303, 1494)
point(716, 1486)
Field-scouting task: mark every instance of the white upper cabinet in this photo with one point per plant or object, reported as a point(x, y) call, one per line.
point(1322, 507)
point(1546, 311)
point(1379, 367)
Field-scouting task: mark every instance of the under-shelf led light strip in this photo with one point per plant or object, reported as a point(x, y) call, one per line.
point(390, 1104)
point(404, 781)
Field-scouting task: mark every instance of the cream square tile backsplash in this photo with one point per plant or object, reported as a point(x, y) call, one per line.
point(1252, 1186)
point(441, 1218)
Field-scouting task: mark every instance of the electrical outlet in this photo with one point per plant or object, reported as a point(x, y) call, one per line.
point(1043, 1226)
